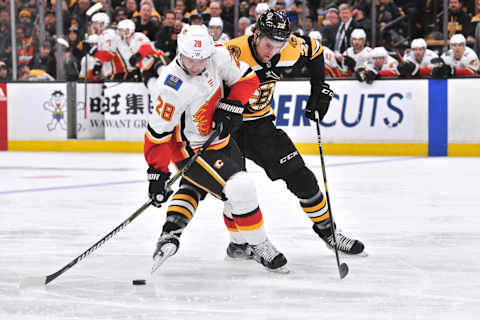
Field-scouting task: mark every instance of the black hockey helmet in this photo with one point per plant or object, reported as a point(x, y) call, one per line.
point(274, 25)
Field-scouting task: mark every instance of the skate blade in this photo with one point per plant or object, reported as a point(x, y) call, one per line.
point(281, 270)
point(168, 250)
point(362, 254)
point(242, 258)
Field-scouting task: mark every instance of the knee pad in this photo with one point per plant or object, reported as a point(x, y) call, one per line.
point(240, 192)
point(302, 183)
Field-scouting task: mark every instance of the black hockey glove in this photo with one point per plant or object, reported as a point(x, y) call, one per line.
point(371, 76)
point(157, 191)
point(407, 68)
point(349, 62)
point(319, 100)
point(134, 59)
point(441, 70)
point(97, 69)
point(152, 72)
point(361, 75)
point(228, 116)
point(90, 48)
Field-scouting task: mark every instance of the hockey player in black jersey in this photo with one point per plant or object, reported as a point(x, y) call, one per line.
point(269, 51)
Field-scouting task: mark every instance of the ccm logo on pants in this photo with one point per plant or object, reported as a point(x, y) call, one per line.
point(288, 157)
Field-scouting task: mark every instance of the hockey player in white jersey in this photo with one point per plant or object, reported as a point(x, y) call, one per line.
point(380, 64)
point(460, 60)
point(89, 65)
point(133, 47)
point(190, 102)
point(215, 26)
point(418, 60)
point(357, 55)
point(332, 68)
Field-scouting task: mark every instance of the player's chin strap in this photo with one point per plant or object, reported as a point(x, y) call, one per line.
point(29, 282)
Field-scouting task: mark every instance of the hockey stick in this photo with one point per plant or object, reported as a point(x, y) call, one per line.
point(342, 267)
point(30, 282)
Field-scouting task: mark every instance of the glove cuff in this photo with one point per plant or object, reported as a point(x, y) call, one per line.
point(233, 106)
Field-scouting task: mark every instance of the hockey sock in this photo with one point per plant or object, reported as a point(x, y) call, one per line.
point(182, 208)
point(317, 210)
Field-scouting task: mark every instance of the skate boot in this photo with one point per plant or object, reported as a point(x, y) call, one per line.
point(238, 251)
point(267, 255)
point(167, 246)
point(344, 244)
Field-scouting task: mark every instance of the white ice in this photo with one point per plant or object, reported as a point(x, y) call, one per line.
point(418, 217)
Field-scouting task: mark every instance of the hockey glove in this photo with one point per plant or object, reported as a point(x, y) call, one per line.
point(407, 68)
point(97, 69)
point(152, 72)
point(228, 116)
point(134, 59)
point(361, 75)
point(157, 190)
point(349, 62)
point(371, 76)
point(441, 70)
point(319, 100)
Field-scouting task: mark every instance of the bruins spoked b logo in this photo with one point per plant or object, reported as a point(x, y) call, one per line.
point(262, 96)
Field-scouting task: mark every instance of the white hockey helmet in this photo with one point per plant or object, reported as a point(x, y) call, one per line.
point(93, 38)
point(457, 39)
point(379, 52)
point(195, 42)
point(315, 35)
point(101, 17)
point(358, 34)
point(215, 22)
point(418, 43)
point(127, 25)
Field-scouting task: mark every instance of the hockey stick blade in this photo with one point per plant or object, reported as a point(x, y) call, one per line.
point(97, 6)
point(343, 270)
point(33, 282)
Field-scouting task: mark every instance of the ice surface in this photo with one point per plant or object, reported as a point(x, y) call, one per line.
point(418, 217)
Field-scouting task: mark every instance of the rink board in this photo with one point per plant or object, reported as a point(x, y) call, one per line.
point(397, 117)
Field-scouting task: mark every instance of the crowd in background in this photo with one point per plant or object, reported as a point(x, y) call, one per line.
point(397, 24)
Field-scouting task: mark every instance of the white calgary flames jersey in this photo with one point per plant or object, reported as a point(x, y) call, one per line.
point(185, 104)
point(223, 38)
point(426, 60)
point(330, 59)
point(126, 50)
point(469, 60)
point(88, 64)
point(360, 58)
point(390, 64)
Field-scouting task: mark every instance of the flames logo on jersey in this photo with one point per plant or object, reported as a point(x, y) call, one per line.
point(203, 117)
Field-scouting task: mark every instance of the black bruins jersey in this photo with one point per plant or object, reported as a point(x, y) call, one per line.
point(297, 53)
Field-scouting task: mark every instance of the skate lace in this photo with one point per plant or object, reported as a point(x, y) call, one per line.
point(266, 250)
point(343, 243)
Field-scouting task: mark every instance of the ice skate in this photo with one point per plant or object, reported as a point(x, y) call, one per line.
point(167, 246)
point(345, 245)
point(267, 255)
point(237, 251)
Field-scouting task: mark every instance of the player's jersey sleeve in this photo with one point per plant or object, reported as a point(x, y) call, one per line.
point(169, 106)
point(238, 75)
point(107, 46)
point(316, 64)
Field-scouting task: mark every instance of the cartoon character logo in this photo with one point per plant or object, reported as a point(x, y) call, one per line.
point(56, 105)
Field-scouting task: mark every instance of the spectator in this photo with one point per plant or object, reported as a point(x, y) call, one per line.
point(27, 74)
point(330, 27)
point(25, 18)
point(5, 38)
point(387, 15)
point(132, 7)
point(201, 8)
point(228, 11)
point(243, 24)
point(76, 45)
point(167, 36)
point(25, 49)
point(344, 28)
point(79, 10)
point(144, 22)
point(414, 10)
point(44, 59)
point(3, 72)
point(280, 5)
point(259, 10)
point(180, 5)
point(215, 27)
point(362, 20)
point(216, 11)
point(119, 15)
point(459, 21)
point(195, 19)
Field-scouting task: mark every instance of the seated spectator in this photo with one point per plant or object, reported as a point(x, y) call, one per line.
point(4, 72)
point(460, 60)
point(259, 10)
point(201, 8)
point(44, 59)
point(27, 74)
point(388, 18)
point(362, 20)
point(357, 55)
point(243, 24)
point(25, 49)
point(25, 19)
point(330, 26)
point(459, 21)
point(418, 60)
point(228, 11)
point(216, 11)
point(5, 38)
point(378, 66)
point(195, 19)
point(344, 29)
point(144, 22)
point(132, 7)
point(167, 36)
point(215, 27)
point(119, 15)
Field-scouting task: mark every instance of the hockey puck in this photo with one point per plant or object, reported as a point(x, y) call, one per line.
point(139, 282)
